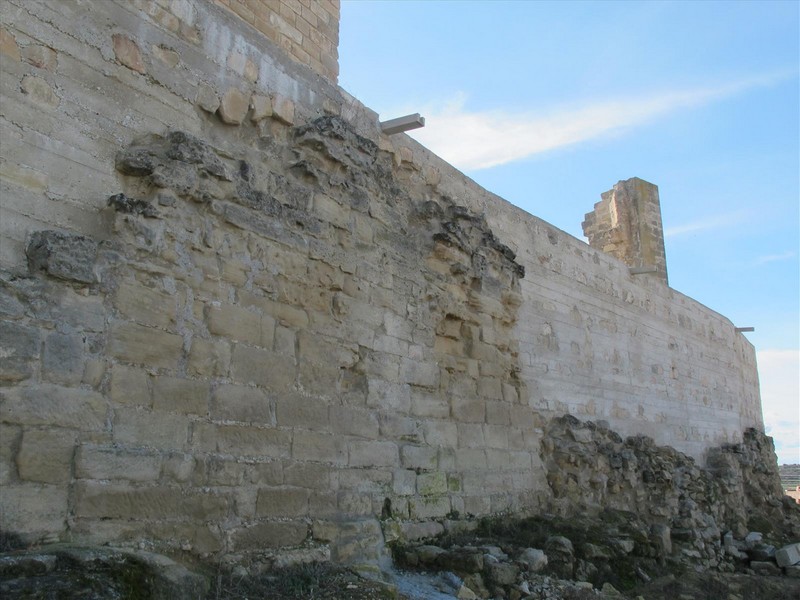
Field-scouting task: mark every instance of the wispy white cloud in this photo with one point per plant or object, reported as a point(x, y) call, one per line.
point(779, 372)
point(763, 260)
point(706, 223)
point(473, 140)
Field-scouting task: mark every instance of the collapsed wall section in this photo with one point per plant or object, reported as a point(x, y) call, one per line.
point(238, 319)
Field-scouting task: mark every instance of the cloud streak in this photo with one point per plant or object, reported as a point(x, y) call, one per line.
point(473, 140)
point(704, 224)
point(763, 260)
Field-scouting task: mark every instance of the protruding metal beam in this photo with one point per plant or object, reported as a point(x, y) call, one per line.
point(744, 329)
point(643, 270)
point(401, 124)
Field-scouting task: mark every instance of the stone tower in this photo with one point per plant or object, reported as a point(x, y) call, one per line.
point(626, 224)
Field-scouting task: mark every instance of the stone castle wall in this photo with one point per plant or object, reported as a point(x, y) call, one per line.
point(236, 318)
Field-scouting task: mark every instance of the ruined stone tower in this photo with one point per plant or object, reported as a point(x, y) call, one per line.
point(626, 224)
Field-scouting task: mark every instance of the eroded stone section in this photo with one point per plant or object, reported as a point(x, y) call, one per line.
point(292, 347)
point(626, 224)
point(64, 255)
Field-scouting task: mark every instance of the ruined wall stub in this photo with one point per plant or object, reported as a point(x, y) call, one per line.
point(626, 224)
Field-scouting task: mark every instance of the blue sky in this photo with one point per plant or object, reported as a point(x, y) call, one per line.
point(700, 98)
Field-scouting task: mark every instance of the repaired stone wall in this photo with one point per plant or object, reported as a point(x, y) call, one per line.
point(237, 319)
point(307, 30)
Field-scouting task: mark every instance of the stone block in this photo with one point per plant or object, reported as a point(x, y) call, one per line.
point(62, 255)
point(19, 346)
point(283, 109)
point(319, 447)
point(39, 91)
point(102, 500)
point(307, 475)
point(427, 404)
point(424, 374)
point(63, 359)
point(282, 502)
point(440, 433)
point(144, 305)
point(470, 435)
point(498, 413)
point(209, 358)
point(495, 436)
point(429, 508)
point(261, 442)
point(388, 395)
point(109, 462)
point(404, 482)
point(270, 535)
point(8, 45)
point(233, 106)
point(178, 466)
point(262, 367)
point(350, 420)
point(468, 410)
point(419, 457)
point(147, 346)
point(9, 443)
point(34, 510)
point(145, 429)
point(373, 454)
point(430, 484)
point(185, 396)
point(299, 411)
point(45, 456)
point(242, 403)
point(788, 555)
point(127, 53)
point(130, 385)
point(241, 325)
point(260, 107)
point(207, 98)
point(45, 404)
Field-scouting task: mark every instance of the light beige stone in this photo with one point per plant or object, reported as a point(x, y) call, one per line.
point(262, 367)
point(146, 429)
point(108, 462)
point(144, 305)
point(282, 502)
point(207, 98)
point(210, 358)
point(130, 385)
point(283, 109)
point(270, 535)
point(40, 57)
point(242, 403)
point(186, 396)
point(8, 45)
point(34, 510)
point(260, 107)
point(45, 456)
point(40, 91)
point(128, 53)
point(233, 106)
point(319, 447)
point(47, 405)
point(148, 346)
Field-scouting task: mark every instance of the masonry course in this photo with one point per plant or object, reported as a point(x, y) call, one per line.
point(239, 320)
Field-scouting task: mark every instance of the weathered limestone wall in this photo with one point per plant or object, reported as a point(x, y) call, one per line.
point(236, 318)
